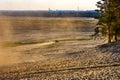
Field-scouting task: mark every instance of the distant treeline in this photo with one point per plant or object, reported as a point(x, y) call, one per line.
point(64, 13)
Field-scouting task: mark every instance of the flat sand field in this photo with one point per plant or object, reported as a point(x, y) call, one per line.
point(55, 49)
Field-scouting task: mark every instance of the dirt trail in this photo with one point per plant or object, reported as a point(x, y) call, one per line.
point(32, 46)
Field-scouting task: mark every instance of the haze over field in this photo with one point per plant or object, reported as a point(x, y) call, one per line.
point(17, 31)
point(61, 49)
point(58, 44)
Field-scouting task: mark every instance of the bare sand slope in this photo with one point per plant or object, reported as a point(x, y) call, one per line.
point(56, 60)
point(42, 51)
point(68, 61)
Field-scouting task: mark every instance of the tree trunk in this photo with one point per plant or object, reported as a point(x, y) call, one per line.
point(109, 34)
point(116, 39)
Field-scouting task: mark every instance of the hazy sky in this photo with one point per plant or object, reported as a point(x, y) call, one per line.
point(46, 4)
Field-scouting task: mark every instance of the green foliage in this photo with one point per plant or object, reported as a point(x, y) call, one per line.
point(110, 17)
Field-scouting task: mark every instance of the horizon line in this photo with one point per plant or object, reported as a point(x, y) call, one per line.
point(49, 10)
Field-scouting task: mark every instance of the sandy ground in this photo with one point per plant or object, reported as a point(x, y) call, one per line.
point(69, 60)
point(62, 56)
point(36, 52)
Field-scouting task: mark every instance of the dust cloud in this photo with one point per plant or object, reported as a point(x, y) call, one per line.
point(5, 29)
point(7, 56)
point(34, 29)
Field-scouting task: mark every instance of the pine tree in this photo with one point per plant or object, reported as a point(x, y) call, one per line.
point(110, 17)
point(116, 6)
